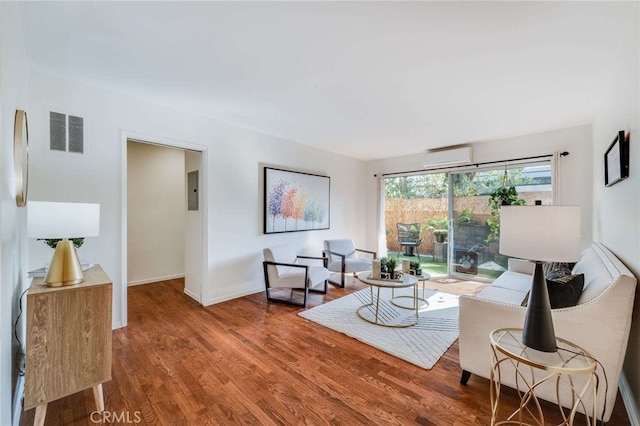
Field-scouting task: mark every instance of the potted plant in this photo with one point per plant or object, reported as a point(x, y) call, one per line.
point(383, 267)
point(414, 267)
point(53, 242)
point(388, 267)
point(441, 235)
point(466, 218)
point(440, 228)
point(392, 263)
point(505, 196)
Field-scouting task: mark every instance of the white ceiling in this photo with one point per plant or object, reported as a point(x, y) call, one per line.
point(367, 79)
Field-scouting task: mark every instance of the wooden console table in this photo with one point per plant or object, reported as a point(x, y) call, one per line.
point(68, 340)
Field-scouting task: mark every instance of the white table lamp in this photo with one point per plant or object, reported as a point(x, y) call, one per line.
point(541, 234)
point(52, 220)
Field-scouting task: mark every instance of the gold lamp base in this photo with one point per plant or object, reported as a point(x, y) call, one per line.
point(65, 266)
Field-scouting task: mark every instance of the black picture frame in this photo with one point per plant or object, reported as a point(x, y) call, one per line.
point(616, 160)
point(295, 201)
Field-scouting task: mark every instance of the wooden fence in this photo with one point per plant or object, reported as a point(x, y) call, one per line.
point(422, 210)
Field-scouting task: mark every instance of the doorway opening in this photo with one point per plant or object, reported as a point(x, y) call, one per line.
point(164, 215)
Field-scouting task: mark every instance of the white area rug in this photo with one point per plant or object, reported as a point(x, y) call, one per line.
point(422, 344)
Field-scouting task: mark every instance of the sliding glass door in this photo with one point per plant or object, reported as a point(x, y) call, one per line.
point(446, 221)
point(417, 219)
point(474, 217)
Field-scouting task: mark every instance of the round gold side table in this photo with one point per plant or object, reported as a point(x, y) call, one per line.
point(533, 369)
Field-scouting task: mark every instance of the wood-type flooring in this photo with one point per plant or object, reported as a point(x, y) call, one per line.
point(247, 361)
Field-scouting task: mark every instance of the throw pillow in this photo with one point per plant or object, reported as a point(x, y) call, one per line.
point(564, 291)
point(554, 270)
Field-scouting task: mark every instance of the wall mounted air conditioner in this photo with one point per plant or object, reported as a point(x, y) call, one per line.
point(448, 157)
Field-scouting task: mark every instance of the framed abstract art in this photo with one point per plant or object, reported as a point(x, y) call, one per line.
point(295, 201)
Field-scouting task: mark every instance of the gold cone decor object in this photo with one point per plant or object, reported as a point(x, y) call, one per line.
point(47, 220)
point(64, 268)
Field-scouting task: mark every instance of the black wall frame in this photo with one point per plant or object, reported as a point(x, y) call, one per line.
point(616, 160)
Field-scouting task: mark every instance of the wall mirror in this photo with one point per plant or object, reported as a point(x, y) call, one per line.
point(21, 156)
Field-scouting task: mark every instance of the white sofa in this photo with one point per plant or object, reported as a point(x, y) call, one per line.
point(599, 323)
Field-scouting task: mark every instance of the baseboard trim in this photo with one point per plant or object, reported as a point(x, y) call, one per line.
point(215, 300)
point(18, 396)
point(154, 280)
point(629, 401)
point(192, 295)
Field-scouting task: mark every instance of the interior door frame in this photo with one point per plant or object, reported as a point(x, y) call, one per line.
point(126, 135)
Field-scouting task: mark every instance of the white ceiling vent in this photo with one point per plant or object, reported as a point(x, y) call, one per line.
point(448, 157)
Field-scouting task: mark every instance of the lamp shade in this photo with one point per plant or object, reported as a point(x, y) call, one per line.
point(540, 233)
point(51, 220)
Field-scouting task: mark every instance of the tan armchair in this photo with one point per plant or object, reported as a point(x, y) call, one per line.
point(283, 270)
point(342, 257)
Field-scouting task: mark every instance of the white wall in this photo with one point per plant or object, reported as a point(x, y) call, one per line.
point(156, 213)
point(234, 158)
point(574, 180)
point(236, 208)
point(616, 208)
point(13, 88)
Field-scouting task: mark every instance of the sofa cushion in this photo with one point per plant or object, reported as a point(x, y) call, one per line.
point(280, 254)
point(345, 246)
point(521, 266)
point(556, 269)
point(514, 281)
point(351, 265)
point(597, 275)
point(293, 277)
point(501, 294)
point(564, 291)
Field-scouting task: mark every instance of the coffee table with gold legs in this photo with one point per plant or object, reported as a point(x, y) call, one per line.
point(407, 301)
point(374, 316)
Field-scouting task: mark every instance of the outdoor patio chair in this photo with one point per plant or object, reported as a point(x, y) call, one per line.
point(342, 257)
point(409, 238)
point(283, 270)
